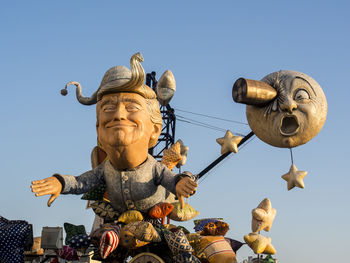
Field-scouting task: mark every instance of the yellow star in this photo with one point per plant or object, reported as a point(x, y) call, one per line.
point(263, 216)
point(259, 244)
point(294, 178)
point(229, 142)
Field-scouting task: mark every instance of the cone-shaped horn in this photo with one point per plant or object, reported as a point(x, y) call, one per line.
point(83, 100)
point(252, 92)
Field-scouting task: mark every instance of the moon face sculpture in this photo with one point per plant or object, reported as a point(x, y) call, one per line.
point(294, 116)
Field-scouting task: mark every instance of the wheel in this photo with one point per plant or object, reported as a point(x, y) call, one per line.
point(146, 257)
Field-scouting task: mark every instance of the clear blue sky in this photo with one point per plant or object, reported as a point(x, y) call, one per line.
point(207, 45)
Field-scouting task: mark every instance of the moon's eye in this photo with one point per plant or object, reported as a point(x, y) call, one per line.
point(301, 95)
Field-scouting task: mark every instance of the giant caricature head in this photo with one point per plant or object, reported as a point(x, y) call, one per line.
point(127, 110)
point(295, 115)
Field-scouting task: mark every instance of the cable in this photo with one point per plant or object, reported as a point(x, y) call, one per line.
point(203, 124)
point(200, 125)
point(191, 121)
point(291, 155)
point(213, 117)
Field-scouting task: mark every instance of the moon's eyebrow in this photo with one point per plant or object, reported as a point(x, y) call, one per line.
point(307, 83)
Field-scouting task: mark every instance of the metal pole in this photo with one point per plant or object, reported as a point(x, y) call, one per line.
point(223, 156)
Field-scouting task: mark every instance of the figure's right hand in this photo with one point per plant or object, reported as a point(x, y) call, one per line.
point(49, 186)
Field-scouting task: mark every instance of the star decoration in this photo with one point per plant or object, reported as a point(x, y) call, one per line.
point(229, 142)
point(263, 216)
point(259, 244)
point(183, 151)
point(294, 178)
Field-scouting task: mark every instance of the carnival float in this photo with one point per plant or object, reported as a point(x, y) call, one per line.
point(137, 198)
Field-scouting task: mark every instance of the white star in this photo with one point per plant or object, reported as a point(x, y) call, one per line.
point(294, 178)
point(259, 243)
point(229, 142)
point(263, 216)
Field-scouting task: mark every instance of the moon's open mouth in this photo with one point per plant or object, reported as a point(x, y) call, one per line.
point(289, 125)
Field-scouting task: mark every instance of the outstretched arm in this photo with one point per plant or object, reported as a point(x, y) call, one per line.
point(48, 186)
point(68, 184)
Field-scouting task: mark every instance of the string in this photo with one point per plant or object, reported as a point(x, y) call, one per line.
point(291, 155)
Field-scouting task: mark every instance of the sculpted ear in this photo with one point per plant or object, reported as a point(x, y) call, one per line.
point(97, 131)
point(157, 129)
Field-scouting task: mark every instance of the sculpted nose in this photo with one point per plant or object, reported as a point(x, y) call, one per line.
point(288, 105)
point(120, 113)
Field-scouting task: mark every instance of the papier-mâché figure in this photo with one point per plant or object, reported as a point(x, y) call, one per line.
point(285, 109)
point(128, 123)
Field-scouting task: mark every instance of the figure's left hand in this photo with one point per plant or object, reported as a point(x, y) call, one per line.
point(184, 188)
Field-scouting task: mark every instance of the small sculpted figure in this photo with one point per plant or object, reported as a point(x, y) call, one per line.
point(128, 123)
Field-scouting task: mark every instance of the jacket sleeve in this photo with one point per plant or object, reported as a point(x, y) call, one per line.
point(168, 179)
point(82, 183)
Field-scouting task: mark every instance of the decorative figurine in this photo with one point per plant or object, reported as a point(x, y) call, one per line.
point(294, 178)
point(229, 142)
point(128, 123)
point(259, 244)
point(263, 216)
point(166, 88)
point(285, 109)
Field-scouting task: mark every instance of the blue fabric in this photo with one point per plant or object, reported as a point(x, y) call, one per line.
point(201, 224)
point(79, 241)
point(13, 236)
point(177, 242)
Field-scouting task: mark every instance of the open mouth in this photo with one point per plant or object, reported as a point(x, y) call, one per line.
point(289, 125)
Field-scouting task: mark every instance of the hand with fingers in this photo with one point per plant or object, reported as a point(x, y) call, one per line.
point(49, 186)
point(185, 188)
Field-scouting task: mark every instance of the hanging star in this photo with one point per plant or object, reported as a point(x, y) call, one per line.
point(229, 142)
point(263, 216)
point(259, 244)
point(294, 178)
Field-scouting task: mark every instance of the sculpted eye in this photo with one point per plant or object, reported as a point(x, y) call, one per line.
point(132, 107)
point(109, 108)
point(301, 95)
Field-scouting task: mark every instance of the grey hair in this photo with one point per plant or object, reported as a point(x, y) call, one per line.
point(156, 118)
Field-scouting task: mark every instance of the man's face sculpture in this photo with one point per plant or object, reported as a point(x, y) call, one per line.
point(295, 116)
point(123, 120)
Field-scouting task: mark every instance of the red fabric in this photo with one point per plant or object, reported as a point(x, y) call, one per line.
point(161, 210)
point(109, 242)
point(67, 253)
